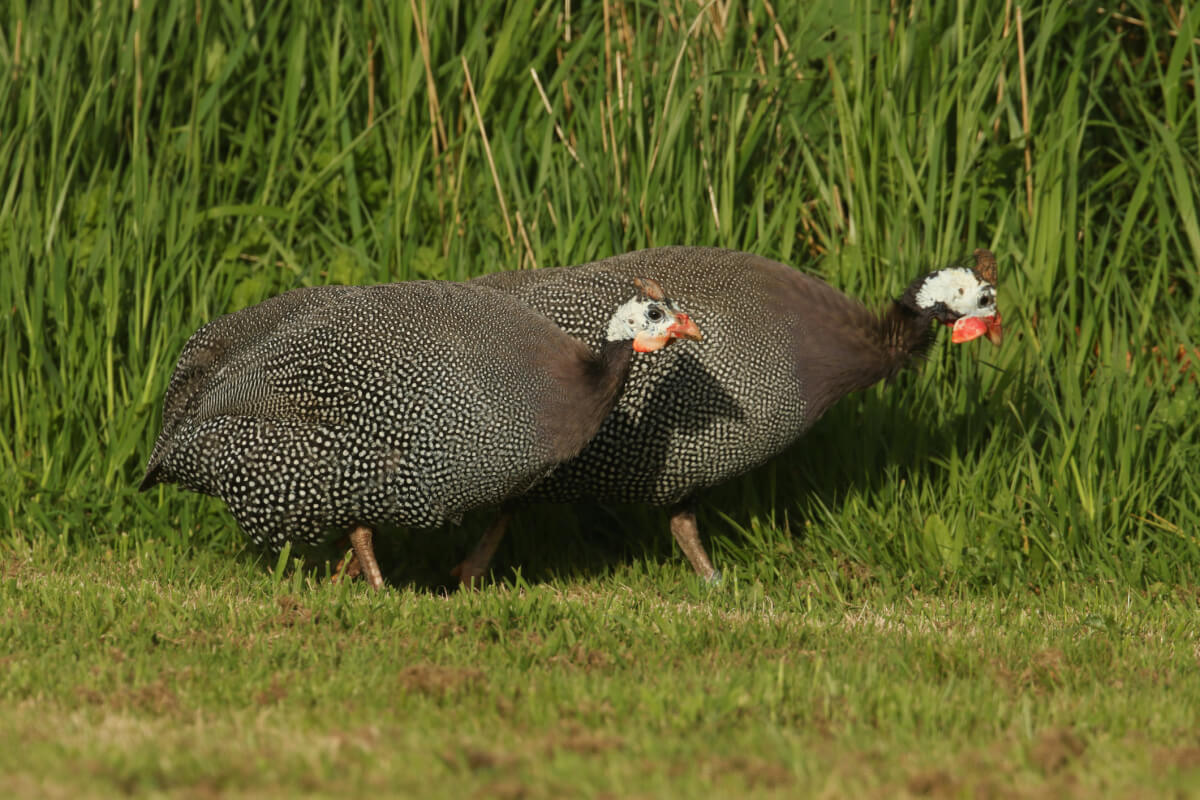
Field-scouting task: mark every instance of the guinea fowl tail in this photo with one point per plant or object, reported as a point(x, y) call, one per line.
point(150, 480)
point(154, 466)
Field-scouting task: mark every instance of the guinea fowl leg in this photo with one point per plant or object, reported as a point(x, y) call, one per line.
point(473, 567)
point(362, 560)
point(683, 528)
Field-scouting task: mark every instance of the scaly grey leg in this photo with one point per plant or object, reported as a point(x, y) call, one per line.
point(363, 560)
point(683, 528)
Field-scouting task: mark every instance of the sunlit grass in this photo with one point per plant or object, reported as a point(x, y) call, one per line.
point(157, 671)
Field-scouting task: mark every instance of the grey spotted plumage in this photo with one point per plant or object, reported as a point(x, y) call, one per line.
point(339, 408)
point(780, 347)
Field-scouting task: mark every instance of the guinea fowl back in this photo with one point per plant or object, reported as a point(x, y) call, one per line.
point(351, 389)
point(780, 347)
point(213, 352)
point(688, 417)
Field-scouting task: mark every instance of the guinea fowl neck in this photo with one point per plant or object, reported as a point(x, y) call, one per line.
point(860, 353)
point(608, 375)
point(591, 394)
point(906, 334)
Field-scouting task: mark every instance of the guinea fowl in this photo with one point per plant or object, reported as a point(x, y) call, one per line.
point(337, 409)
point(780, 348)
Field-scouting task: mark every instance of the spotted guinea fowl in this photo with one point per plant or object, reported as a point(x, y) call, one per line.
point(780, 347)
point(337, 409)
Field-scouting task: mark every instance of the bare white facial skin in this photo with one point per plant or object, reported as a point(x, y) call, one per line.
point(960, 290)
point(641, 315)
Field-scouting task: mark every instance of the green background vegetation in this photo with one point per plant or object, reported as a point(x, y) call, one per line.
point(979, 577)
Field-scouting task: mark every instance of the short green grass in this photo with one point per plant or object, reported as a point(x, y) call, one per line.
point(153, 671)
point(980, 578)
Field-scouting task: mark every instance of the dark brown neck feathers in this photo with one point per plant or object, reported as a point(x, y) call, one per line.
point(591, 390)
point(906, 334)
point(607, 374)
point(847, 349)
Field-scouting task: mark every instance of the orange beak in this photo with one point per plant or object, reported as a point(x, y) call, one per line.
point(684, 328)
point(995, 331)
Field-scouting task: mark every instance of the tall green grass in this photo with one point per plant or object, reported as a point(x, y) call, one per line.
point(166, 162)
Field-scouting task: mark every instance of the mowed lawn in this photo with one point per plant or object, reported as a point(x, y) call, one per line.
point(199, 675)
point(982, 579)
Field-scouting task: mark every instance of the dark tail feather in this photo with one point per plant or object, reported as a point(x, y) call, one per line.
point(151, 479)
point(153, 468)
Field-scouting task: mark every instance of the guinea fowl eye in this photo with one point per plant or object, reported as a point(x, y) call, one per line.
point(655, 314)
point(985, 300)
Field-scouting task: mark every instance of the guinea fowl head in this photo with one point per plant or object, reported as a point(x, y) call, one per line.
point(962, 298)
point(650, 319)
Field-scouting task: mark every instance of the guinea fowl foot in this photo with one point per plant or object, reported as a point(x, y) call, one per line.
point(347, 569)
point(361, 561)
point(687, 534)
point(472, 569)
